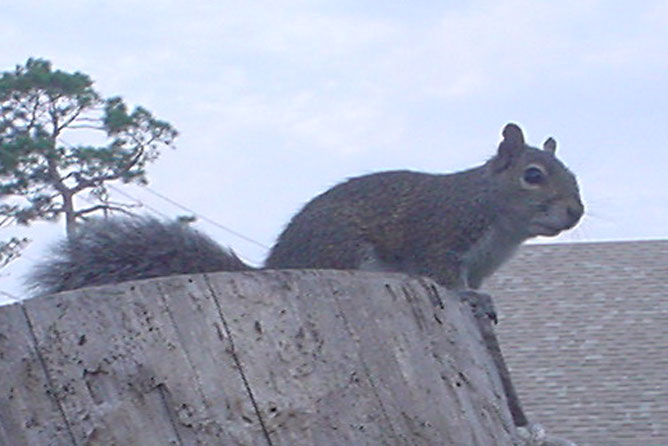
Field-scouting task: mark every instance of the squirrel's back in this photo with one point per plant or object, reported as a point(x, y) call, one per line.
point(377, 220)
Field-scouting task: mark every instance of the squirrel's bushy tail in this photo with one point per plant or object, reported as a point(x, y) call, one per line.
point(113, 250)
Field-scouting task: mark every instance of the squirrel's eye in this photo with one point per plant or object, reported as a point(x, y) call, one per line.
point(533, 175)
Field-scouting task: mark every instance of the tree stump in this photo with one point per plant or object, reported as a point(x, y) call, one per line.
point(255, 358)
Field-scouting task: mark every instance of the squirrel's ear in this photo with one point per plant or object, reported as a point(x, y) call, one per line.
point(512, 133)
point(510, 147)
point(550, 145)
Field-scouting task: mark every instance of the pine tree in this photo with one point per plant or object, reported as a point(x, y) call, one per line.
point(41, 170)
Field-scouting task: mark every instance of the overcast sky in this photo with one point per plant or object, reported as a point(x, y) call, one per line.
point(277, 101)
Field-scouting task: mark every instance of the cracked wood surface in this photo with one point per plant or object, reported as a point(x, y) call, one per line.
point(254, 358)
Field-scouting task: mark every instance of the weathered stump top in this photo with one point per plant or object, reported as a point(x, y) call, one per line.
point(254, 358)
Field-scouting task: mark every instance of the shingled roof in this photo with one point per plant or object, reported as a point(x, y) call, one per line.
point(584, 328)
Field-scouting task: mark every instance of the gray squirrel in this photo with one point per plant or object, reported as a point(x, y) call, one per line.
point(455, 228)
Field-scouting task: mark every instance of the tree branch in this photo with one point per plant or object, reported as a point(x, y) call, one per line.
point(86, 126)
point(106, 207)
point(33, 118)
point(71, 119)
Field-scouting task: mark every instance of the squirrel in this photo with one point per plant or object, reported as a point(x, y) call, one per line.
point(455, 228)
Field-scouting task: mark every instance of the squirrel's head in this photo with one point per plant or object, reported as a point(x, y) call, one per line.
point(540, 194)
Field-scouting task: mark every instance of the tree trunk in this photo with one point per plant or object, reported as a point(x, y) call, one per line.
point(261, 358)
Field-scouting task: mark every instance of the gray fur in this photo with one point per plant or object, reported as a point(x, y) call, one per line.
point(116, 250)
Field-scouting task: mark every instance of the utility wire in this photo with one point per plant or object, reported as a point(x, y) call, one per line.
point(202, 217)
point(171, 201)
point(137, 200)
point(205, 218)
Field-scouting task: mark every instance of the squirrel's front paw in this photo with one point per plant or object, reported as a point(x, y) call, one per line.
point(481, 303)
point(534, 435)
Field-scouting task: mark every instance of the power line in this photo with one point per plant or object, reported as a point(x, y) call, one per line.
point(137, 200)
point(171, 201)
point(202, 217)
point(205, 218)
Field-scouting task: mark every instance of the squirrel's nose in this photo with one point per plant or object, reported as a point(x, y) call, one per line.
point(575, 212)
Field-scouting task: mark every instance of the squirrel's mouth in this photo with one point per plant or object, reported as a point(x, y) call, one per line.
point(546, 230)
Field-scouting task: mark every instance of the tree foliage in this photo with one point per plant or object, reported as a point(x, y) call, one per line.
point(44, 116)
